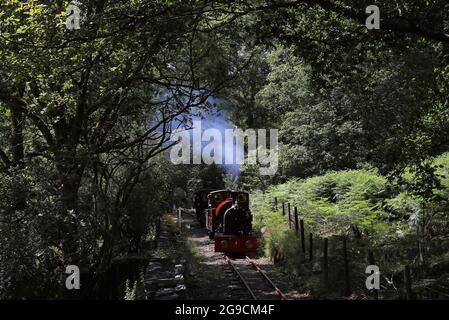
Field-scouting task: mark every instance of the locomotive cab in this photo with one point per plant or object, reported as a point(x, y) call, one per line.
point(218, 201)
point(201, 205)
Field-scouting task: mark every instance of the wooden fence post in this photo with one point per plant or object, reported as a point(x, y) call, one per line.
point(310, 246)
point(325, 263)
point(283, 209)
point(275, 203)
point(303, 244)
point(408, 283)
point(346, 265)
point(420, 251)
point(289, 216)
point(296, 220)
point(372, 262)
point(180, 219)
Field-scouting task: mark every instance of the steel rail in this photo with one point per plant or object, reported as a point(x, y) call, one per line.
point(245, 283)
point(242, 279)
point(278, 291)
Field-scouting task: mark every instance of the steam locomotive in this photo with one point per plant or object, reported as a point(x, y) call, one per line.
point(226, 216)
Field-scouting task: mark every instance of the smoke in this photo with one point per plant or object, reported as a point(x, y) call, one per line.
point(217, 118)
point(210, 116)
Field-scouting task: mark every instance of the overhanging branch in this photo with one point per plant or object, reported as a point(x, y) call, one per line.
point(396, 24)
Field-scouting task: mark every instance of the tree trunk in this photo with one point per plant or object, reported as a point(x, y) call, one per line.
point(70, 171)
point(16, 140)
point(18, 154)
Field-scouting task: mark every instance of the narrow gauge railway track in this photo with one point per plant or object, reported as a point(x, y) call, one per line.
point(254, 279)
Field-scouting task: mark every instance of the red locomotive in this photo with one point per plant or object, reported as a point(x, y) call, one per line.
point(229, 221)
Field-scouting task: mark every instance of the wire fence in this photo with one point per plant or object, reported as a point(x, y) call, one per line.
point(343, 260)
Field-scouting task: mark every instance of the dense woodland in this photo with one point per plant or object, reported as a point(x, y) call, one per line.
point(86, 116)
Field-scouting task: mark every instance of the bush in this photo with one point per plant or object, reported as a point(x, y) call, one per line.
point(397, 225)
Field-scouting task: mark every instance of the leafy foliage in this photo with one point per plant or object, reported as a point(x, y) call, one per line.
point(86, 115)
point(366, 208)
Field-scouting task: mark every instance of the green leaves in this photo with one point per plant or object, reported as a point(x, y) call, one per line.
point(331, 203)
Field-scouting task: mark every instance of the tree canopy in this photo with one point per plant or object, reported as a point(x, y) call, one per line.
point(86, 115)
